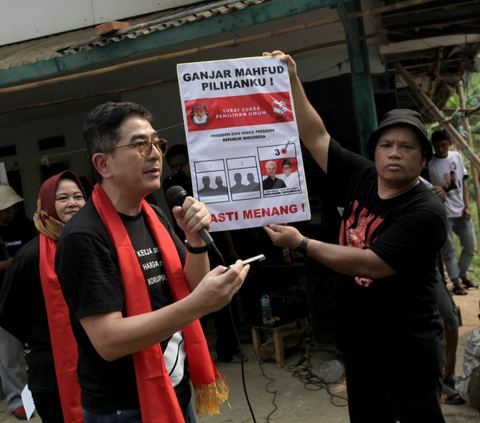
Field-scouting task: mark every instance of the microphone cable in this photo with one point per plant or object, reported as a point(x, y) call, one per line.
point(175, 196)
point(237, 337)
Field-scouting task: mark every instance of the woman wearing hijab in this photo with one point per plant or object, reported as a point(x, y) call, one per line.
point(32, 307)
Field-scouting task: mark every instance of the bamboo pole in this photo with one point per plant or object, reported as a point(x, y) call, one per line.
point(475, 111)
point(457, 138)
point(468, 110)
point(466, 125)
point(229, 43)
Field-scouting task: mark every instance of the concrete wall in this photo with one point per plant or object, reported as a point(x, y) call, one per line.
point(162, 100)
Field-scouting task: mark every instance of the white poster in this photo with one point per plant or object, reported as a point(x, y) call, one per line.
point(243, 142)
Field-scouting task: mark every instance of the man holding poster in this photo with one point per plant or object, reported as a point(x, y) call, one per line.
point(392, 229)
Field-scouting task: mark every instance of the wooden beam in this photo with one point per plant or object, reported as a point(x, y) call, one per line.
point(432, 7)
point(436, 73)
point(459, 109)
point(440, 15)
point(475, 111)
point(433, 42)
point(192, 31)
point(202, 28)
point(82, 97)
point(435, 77)
point(133, 63)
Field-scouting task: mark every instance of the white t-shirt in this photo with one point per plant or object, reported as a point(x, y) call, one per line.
point(449, 173)
point(290, 181)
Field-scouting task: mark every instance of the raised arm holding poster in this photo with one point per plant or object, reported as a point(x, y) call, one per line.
point(243, 142)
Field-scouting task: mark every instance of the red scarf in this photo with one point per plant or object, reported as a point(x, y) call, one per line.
point(64, 347)
point(158, 402)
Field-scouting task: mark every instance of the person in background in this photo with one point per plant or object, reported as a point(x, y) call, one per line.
point(15, 230)
point(226, 345)
point(134, 290)
point(448, 312)
point(32, 307)
point(468, 383)
point(457, 203)
point(389, 328)
point(177, 159)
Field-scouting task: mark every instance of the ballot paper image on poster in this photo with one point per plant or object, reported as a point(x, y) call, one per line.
point(243, 143)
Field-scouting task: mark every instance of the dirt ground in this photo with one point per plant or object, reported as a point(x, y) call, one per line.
point(278, 395)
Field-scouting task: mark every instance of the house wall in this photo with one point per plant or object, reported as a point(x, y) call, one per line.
point(56, 16)
point(164, 103)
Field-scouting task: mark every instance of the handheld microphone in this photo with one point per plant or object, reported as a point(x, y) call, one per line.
point(175, 197)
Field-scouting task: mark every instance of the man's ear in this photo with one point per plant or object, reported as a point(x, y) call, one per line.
point(102, 162)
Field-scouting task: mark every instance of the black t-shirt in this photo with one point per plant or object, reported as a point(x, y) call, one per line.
point(394, 321)
point(23, 314)
point(87, 267)
point(270, 183)
point(15, 236)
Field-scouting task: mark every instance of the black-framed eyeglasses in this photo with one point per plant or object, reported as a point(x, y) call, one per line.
point(145, 147)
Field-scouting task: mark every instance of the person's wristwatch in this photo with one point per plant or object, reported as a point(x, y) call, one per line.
point(196, 250)
point(302, 248)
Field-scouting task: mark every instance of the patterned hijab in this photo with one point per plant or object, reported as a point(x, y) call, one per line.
point(46, 218)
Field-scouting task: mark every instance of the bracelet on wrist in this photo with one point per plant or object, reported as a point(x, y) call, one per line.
point(196, 250)
point(302, 247)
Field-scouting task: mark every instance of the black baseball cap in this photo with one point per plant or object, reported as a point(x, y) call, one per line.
point(405, 117)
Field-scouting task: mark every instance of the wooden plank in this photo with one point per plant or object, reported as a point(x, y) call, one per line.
point(431, 15)
point(434, 42)
point(438, 116)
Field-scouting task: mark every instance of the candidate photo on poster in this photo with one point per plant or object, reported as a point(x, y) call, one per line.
point(271, 181)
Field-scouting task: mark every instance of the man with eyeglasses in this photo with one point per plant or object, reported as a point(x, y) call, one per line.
point(135, 292)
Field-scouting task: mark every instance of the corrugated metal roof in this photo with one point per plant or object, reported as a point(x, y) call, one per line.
point(86, 39)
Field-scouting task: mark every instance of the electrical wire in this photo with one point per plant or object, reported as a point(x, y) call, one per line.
point(311, 382)
point(244, 384)
point(314, 383)
point(270, 380)
point(237, 337)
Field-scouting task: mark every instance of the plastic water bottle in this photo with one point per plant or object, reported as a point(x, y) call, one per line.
point(267, 319)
